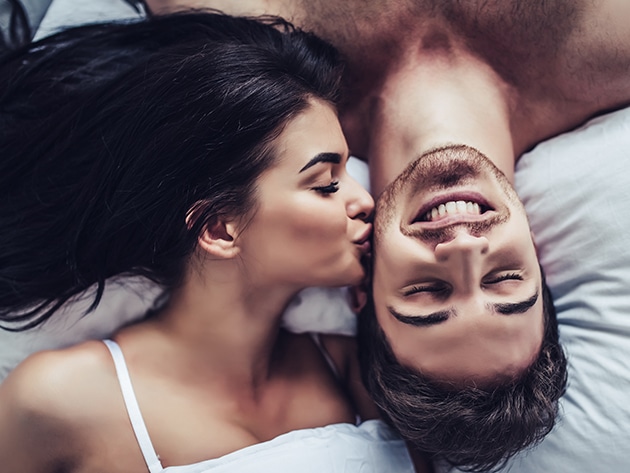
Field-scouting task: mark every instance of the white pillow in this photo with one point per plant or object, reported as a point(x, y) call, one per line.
point(576, 191)
point(65, 13)
point(124, 301)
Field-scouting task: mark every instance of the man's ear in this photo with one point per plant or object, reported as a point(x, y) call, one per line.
point(218, 238)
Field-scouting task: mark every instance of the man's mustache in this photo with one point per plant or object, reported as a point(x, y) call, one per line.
point(442, 235)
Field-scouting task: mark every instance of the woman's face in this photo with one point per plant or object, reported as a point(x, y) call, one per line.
point(309, 228)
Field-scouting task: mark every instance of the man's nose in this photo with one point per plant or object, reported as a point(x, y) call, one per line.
point(463, 255)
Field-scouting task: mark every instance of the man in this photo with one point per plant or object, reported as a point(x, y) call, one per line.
point(459, 339)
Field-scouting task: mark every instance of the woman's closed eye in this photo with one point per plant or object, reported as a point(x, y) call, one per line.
point(329, 189)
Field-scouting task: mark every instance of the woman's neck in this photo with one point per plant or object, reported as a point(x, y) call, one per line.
point(227, 324)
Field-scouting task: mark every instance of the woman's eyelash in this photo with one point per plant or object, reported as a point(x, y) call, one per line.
point(505, 277)
point(329, 189)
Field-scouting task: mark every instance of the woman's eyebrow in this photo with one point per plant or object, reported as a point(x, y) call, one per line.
point(334, 158)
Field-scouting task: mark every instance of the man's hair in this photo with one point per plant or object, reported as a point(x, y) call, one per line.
point(470, 427)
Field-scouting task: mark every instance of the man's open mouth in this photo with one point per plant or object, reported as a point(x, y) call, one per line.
point(447, 209)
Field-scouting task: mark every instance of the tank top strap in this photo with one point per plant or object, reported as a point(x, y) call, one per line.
point(133, 410)
point(331, 364)
point(322, 349)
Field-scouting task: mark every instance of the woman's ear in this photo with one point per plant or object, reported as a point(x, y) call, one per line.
point(218, 238)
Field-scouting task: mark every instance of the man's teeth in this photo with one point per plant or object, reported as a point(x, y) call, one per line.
point(453, 208)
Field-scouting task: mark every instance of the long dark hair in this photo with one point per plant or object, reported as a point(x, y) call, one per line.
point(110, 134)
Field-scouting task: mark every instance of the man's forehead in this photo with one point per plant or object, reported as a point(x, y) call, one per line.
point(479, 353)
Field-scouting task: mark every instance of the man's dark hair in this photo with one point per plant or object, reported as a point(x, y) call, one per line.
point(122, 142)
point(470, 427)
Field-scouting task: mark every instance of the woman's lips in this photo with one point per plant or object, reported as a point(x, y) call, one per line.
point(363, 241)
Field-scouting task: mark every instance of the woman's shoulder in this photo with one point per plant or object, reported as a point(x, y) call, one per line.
point(48, 404)
point(48, 380)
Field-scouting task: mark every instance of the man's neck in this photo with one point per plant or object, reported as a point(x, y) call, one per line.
point(553, 66)
point(433, 99)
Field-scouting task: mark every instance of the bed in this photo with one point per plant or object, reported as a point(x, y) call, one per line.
point(574, 187)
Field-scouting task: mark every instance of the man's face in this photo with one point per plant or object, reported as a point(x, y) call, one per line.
point(456, 283)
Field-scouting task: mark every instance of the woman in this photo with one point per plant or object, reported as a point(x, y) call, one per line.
point(204, 152)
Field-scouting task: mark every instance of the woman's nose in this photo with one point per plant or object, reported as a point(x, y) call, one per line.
point(360, 204)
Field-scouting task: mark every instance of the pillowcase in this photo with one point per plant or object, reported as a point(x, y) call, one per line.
point(65, 13)
point(124, 301)
point(575, 188)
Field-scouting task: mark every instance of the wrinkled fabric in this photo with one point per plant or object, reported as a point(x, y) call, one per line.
point(19, 20)
point(576, 189)
point(371, 447)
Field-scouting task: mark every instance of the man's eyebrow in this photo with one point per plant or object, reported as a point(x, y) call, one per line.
point(515, 307)
point(438, 317)
point(421, 320)
point(334, 158)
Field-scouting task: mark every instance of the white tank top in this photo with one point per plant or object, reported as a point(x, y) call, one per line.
point(371, 447)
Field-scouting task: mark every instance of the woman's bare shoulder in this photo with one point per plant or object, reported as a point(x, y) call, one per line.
point(45, 403)
point(48, 379)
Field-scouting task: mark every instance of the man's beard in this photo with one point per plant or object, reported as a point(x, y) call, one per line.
point(438, 170)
